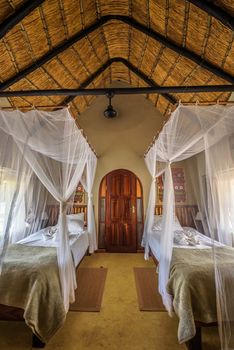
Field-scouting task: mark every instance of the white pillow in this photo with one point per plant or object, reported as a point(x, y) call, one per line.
point(75, 222)
point(193, 240)
point(158, 223)
point(190, 231)
point(180, 238)
point(192, 235)
point(184, 238)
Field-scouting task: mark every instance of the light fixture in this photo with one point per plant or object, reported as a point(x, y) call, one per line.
point(110, 112)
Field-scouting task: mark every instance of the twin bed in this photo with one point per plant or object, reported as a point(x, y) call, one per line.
point(192, 280)
point(30, 286)
point(79, 242)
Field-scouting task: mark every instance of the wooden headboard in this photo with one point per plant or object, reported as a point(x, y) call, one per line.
point(53, 211)
point(184, 213)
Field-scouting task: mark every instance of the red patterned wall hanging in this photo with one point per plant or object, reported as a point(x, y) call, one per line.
point(179, 185)
point(79, 194)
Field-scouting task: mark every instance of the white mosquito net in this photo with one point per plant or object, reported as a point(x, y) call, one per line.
point(190, 131)
point(87, 181)
point(43, 157)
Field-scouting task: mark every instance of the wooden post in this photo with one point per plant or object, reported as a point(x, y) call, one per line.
point(37, 343)
point(196, 342)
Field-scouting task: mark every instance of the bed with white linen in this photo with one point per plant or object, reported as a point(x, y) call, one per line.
point(192, 280)
point(203, 242)
point(30, 276)
point(79, 242)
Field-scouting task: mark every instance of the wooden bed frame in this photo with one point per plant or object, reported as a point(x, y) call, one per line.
point(196, 342)
point(11, 313)
point(185, 213)
point(53, 212)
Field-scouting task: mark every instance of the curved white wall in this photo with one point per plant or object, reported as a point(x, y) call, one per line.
point(120, 143)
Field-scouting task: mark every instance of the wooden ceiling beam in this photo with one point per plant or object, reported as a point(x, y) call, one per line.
point(18, 15)
point(52, 53)
point(215, 11)
point(131, 22)
point(176, 48)
point(120, 91)
point(89, 80)
point(146, 79)
point(131, 67)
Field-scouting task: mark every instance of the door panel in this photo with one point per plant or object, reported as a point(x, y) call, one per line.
point(120, 211)
point(115, 210)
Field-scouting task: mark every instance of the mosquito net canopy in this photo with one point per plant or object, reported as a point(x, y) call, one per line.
point(190, 131)
point(43, 157)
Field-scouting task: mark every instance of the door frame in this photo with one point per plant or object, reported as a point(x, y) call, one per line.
point(139, 220)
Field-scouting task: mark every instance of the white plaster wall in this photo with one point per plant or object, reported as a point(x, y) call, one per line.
point(120, 143)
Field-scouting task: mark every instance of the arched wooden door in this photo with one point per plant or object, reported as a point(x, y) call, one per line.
point(120, 212)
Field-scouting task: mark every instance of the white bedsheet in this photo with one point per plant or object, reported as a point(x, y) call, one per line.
point(78, 242)
point(205, 242)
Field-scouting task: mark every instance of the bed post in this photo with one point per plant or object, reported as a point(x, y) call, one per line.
point(195, 343)
point(37, 343)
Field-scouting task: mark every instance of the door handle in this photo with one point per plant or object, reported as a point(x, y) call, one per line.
point(133, 209)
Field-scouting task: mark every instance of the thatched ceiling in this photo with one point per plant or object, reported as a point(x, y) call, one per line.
point(55, 21)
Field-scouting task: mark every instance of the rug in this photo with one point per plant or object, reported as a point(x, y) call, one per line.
point(146, 280)
point(90, 288)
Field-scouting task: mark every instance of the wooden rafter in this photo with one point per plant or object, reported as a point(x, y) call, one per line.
point(131, 67)
point(215, 11)
point(18, 15)
point(131, 22)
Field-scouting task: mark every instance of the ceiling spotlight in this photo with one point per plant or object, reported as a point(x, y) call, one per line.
point(110, 112)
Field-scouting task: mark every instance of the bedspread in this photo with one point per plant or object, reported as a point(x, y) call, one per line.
point(30, 281)
point(192, 285)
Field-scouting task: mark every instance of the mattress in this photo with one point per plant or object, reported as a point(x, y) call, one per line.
point(79, 243)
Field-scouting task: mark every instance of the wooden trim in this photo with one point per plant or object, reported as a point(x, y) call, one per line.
point(141, 249)
point(99, 212)
point(11, 313)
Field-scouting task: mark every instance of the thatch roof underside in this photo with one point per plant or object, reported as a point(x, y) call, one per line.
point(55, 21)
